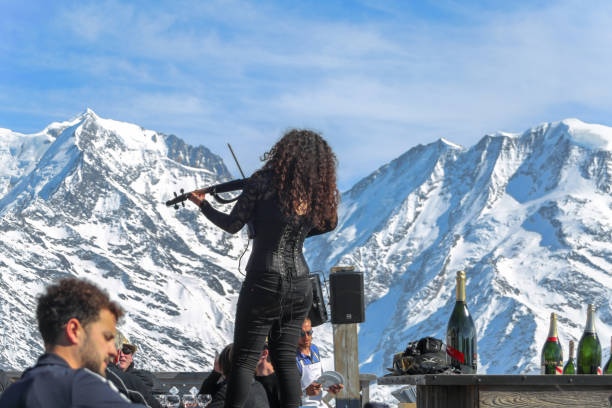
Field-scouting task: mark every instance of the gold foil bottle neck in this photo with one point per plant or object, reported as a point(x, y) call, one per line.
point(461, 286)
point(571, 351)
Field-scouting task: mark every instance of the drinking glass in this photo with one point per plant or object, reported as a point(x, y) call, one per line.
point(203, 400)
point(173, 401)
point(189, 401)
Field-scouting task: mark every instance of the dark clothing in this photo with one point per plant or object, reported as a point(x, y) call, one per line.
point(277, 246)
point(51, 383)
point(276, 294)
point(256, 397)
point(270, 384)
point(275, 307)
point(212, 383)
point(131, 386)
point(5, 381)
point(145, 376)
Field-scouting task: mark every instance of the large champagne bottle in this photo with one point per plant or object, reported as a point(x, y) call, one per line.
point(570, 367)
point(552, 353)
point(588, 358)
point(608, 367)
point(461, 333)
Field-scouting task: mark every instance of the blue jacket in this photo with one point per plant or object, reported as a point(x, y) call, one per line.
point(51, 383)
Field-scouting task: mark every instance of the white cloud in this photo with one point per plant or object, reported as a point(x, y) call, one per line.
point(254, 69)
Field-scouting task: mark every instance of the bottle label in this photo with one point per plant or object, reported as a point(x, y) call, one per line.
point(456, 354)
point(552, 339)
point(598, 370)
point(551, 368)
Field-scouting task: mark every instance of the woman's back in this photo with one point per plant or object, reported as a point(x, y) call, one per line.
point(279, 239)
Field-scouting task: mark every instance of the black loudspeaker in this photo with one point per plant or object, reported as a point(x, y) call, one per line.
point(346, 297)
point(318, 312)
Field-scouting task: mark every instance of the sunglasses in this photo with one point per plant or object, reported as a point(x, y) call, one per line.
point(304, 333)
point(127, 350)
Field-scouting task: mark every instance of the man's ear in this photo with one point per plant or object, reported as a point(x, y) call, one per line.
point(74, 331)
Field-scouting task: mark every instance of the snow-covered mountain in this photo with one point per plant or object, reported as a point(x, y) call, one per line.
point(85, 198)
point(528, 217)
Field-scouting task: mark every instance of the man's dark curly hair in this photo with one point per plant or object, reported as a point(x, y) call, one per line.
point(304, 169)
point(71, 298)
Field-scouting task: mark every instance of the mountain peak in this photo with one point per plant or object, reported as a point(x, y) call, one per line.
point(88, 112)
point(449, 143)
point(592, 136)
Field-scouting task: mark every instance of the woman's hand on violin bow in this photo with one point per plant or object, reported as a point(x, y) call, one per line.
point(197, 197)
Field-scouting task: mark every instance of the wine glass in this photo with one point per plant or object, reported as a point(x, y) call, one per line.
point(203, 400)
point(173, 401)
point(189, 401)
point(161, 398)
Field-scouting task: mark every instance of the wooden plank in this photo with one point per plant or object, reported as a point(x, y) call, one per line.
point(432, 396)
point(547, 399)
point(364, 385)
point(346, 362)
point(509, 380)
point(178, 375)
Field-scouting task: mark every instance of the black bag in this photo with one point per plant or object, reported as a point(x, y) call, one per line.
point(318, 312)
point(426, 356)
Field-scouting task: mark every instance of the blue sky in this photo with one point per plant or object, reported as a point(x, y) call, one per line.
point(375, 77)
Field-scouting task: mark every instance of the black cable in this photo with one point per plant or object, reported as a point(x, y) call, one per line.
point(240, 259)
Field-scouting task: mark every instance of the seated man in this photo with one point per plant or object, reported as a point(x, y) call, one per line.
point(311, 368)
point(131, 382)
point(126, 351)
point(77, 322)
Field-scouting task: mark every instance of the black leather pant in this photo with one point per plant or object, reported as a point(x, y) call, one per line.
point(274, 306)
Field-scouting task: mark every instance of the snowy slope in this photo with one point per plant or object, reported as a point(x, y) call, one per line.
point(89, 203)
point(529, 217)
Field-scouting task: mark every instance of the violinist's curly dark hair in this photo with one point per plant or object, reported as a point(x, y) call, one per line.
point(304, 169)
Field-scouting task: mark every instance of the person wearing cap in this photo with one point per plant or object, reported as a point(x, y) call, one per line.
point(135, 384)
point(125, 360)
point(125, 352)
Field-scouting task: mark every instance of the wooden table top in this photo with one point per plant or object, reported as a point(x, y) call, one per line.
point(510, 380)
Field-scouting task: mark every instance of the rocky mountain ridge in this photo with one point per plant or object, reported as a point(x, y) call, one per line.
point(528, 216)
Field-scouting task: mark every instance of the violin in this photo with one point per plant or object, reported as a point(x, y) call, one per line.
point(226, 187)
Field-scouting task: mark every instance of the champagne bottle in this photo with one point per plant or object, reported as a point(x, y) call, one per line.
point(608, 367)
point(552, 353)
point(588, 358)
point(570, 367)
point(461, 350)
